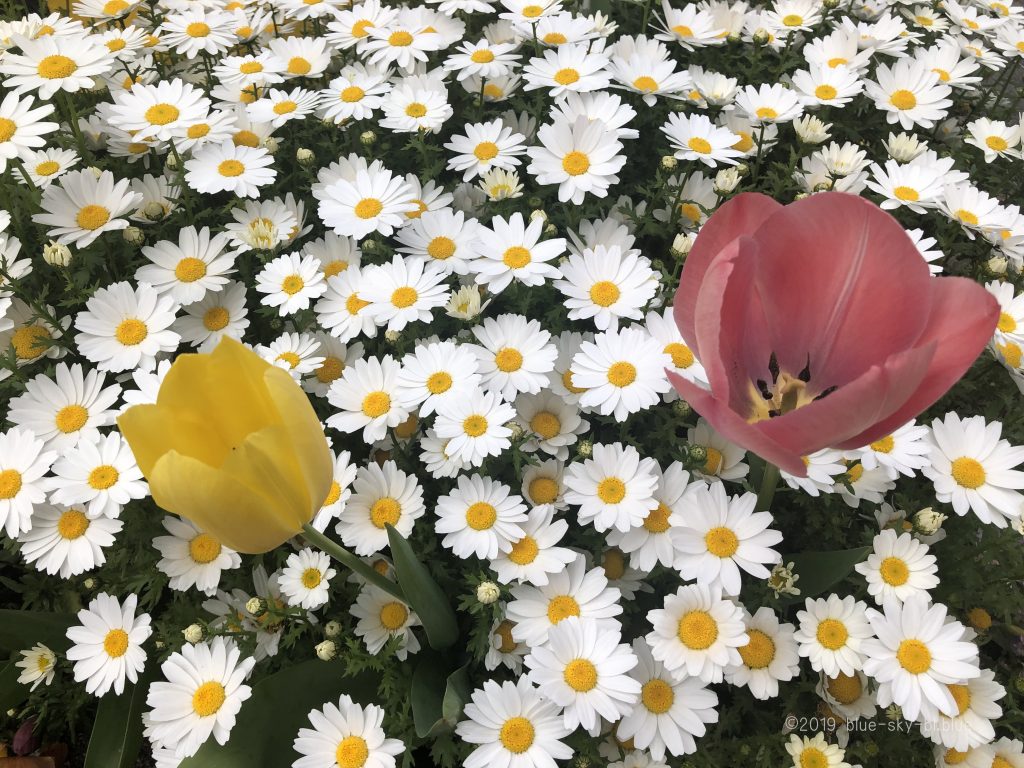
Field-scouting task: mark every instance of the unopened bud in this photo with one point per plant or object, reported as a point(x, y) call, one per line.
point(830, 5)
point(487, 592)
point(56, 254)
point(761, 37)
point(996, 266)
point(305, 157)
point(332, 629)
point(326, 650)
point(171, 162)
point(698, 454)
point(391, 336)
point(585, 448)
point(927, 521)
point(133, 236)
point(367, 138)
point(669, 162)
point(823, 186)
point(681, 408)
point(539, 214)
point(89, 583)
point(726, 180)
point(271, 144)
point(550, 230)
point(193, 633)
point(257, 606)
point(153, 211)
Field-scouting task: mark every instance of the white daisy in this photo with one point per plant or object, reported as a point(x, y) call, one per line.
point(382, 618)
point(480, 518)
point(475, 426)
point(346, 734)
point(622, 371)
point(290, 282)
point(82, 206)
point(581, 158)
point(369, 202)
point(614, 489)
point(436, 372)
point(534, 555)
point(188, 269)
point(37, 665)
point(512, 250)
point(366, 396)
point(832, 631)
point(306, 577)
point(381, 496)
point(899, 567)
point(607, 284)
point(192, 558)
point(230, 167)
point(514, 355)
point(23, 463)
point(107, 644)
point(404, 291)
point(204, 323)
point(66, 541)
point(101, 474)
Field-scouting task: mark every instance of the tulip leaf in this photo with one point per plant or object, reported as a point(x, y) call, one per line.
point(423, 594)
point(279, 706)
point(437, 698)
point(117, 730)
point(819, 571)
point(12, 693)
point(20, 630)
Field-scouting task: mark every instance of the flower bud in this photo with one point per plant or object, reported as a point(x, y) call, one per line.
point(133, 236)
point(996, 266)
point(681, 245)
point(332, 629)
point(305, 157)
point(391, 336)
point(681, 408)
point(367, 138)
point(726, 180)
point(257, 606)
point(487, 592)
point(698, 454)
point(271, 144)
point(550, 230)
point(193, 633)
point(927, 521)
point(830, 5)
point(540, 213)
point(811, 130)
point(585, 448)
point(761, 37)
point(153, 211)
point(56, 254)
point(326, 650)
point(904, 147)
point(535, 202)
point(89, 583)
point(171, 162)
point(669, 162)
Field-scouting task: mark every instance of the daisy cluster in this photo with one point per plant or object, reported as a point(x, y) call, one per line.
point(459, 225)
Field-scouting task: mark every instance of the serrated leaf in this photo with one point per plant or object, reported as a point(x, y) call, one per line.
point(424, 595)
point(20, 630)
point(117, 730)
point(818, 571)
point(279, 706)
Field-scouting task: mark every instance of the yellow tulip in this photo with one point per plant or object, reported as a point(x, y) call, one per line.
point(234, 445)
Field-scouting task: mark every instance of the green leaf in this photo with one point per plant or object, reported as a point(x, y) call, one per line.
point(117, 730)
point(437, 699)
point(12, 693)
point(423, 594)
point(271, 718)
point(20, 630)
point(820, 570)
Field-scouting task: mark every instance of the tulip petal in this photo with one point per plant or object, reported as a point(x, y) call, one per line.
point(305, 434)
point(843, 287)
point(265, 461)
point(153, 430)
point(870, 398)
point(962, 319)
point(239, 516)
point(733, 427)
point(742, 215)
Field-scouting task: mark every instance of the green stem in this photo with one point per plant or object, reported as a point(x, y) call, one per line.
point(769, 482)
point(352, 562)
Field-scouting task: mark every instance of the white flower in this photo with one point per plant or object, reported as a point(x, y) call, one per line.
point(66, 541)
point(582, 157)
point(770, 656)
point(37, 666)
point(831, 634)
point(305, 578)
point(475, 426)
point(898, 568)
point(606, 285)
point(290, 283)
point(621, 371)
point(479, 518)
point(101, 474)
point(108, 642)
point(23, 463)
point(614, 489)
point(366, 395)
point(348, 734)
point(82, 206)
point(514, 355)
point(381, 618)
point(192, 558)
point(381, 496)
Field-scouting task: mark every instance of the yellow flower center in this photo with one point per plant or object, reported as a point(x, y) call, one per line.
point(682, 30)
point(92, 217)
point(421, 208)
point(416, 109)
point(997, 143)
point(580, 675)
point(103, 477)
point(1012, 353)
point(645, 84)
point(116, 643)
point(299, 66)
point(855, 473)
point(47, 168)
point(131, 332)
point(197, 29)
point(385, 511)
point(393, 616)
point(894, 571)
point(832, 634)
point(657, 519)
point(492, 91)
point(7, 129)
point(292, 284)
point(376, 404)
point(967, 217)
point(71, 418)
point(697, 630)
point(980, 619)
point(621, 374)
point(713, 463)
point(215, 318)
point(604, 293)
point(439, 383)
point(681, 355)
point(516, 735)
point(482, 56)
point(114, 7)
point(721, 542)
point(524, 551)
point(204, 548)
point(611, 490)
point(190, 269)
point(543, 490)
point(486, 150)
point(404, 297)
point(330, 369)
point(311, 578)
point(954, 757)
point(759, 652)
point(699, 145)
point(546, 425)
point(532, 11)
point(208, 698)
point(1007, 324)
point(244, 138)
point(555, 38)
point(845, 689)
point(825, 92)
point(231, 168)
point(162, 114)
point(334, 268)
point(508, 360)
point(1001, 762)
point(72, 524)
point(352, 752)
point(56, 67)
point(745, 143)
point(614, 564)
point(29, 341)
point(289, 357)
point(250, 68)
point(333, 494)
point(903, 99)
point(481, 516)
point(10, 483)
point(567, 383)
point(566, 76)
point(400, 39)
point(562, 607)
point(516, 257)
point(766, 113)
point(441, 248)
point(657, 696)
point(914, 656)
point(576, 163)
point(962, 696)
point(474, 425)
point(285, 107)
point(968, 473)
point(368, 208)
point(943, 74)
point(812, 757)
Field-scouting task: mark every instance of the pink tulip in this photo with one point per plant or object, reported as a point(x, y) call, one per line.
point(819, 325)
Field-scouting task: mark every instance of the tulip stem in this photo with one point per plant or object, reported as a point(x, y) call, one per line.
point(769, 481)
point(352, 562)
